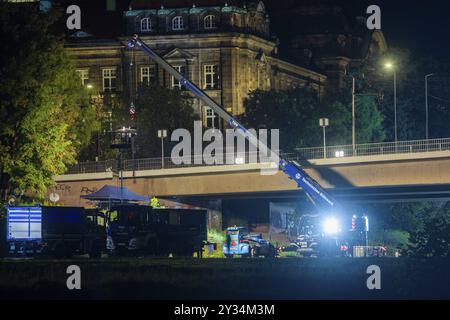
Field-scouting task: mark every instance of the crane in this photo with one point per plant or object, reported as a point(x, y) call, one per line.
point(291, 168)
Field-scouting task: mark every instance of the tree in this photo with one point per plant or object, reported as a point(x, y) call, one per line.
point(418, 228)
point(45, 113)
point(296, 113)
point(157, 108)
point(411, 69)
point(290, 111)
point(433, 239)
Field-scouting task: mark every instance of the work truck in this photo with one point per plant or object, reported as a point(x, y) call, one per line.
point(55, 230)
point(143, 230)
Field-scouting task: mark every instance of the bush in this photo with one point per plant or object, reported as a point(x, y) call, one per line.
point(433, 240)
point(217, 237)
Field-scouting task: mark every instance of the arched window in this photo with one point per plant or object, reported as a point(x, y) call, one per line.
point(178, 23)
point(146, 24)
point(210, 22)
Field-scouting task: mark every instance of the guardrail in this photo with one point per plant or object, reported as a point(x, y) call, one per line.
point(370, 149)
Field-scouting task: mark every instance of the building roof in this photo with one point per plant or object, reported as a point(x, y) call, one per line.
point(156, 4)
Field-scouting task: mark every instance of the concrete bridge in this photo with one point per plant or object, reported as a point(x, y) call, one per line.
point(411, 174)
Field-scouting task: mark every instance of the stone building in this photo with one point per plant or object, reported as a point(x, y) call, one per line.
point(226, 48)
point(330, 39)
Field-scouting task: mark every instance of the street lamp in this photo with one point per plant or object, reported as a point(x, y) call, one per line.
point(324, 122)
point(123, 138)
point(390, 66)
point(426, 104)
point(162, 134)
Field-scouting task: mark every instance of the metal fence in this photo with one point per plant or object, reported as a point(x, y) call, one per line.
point(370, 149)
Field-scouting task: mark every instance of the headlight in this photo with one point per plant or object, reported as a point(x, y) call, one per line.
point(132, 244)
point(331, 226)
point(110, 243)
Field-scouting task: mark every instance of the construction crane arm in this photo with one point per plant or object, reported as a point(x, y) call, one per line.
point(290, 168)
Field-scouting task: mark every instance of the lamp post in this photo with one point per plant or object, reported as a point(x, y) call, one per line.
point(426, 104)
point(123, 138)
point(390, 66)
point(162, 134)
point(324, 122)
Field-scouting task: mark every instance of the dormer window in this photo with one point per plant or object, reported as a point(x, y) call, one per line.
point(178, 23)
point(146, 24)
point(210, 22)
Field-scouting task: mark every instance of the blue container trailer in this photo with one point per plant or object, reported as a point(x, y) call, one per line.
point(58, 231)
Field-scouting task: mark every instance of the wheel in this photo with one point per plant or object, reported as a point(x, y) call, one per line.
point(151, 247)
point(121, 251)
point(60, 251)
point(251, 254)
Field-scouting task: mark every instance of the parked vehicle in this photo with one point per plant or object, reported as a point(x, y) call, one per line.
point(328, 237)
point(159, 232)
point(240, 242)
point(57, 231)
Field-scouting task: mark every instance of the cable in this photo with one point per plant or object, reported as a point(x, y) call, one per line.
point(440, 99)
point(132, 109)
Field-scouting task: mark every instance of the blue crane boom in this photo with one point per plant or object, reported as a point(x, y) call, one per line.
point(290, 168)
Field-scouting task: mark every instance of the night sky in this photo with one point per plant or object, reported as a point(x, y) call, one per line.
point(422, 26)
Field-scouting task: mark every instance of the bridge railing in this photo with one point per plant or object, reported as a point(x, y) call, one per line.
point(93, 167)
point(369, 149)
point(192, 161)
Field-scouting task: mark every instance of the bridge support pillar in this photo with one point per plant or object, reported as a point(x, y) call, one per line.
point(215, 215)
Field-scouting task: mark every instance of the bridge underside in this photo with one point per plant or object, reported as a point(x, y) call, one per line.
point(354, 195)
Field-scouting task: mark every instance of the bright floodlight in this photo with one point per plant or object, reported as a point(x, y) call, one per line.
point(339, 153)
point(388, 65)
point(331, 226)
point(239, 160)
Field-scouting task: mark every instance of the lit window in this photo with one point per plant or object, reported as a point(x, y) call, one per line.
point(211, 76)
point(146, 24)
point(210, 22)
point(84, 75)
point(109, 79)
point(178, 23)
point(148, 74)
point(209, 118)
point(175, 83)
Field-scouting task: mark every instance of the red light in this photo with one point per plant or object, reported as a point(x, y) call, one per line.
point(233, 244)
